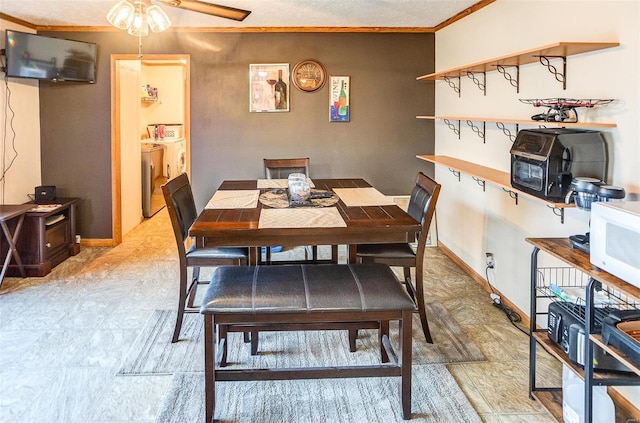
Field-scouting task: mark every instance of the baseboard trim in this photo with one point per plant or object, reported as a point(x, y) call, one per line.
point(96, 242)
point(482, 282)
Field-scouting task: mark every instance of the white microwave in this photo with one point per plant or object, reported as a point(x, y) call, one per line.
point(615, 239)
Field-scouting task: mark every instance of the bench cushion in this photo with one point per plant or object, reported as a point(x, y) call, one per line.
point(304, 288)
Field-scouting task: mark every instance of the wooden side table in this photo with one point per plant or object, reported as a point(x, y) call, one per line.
point(7, 213)
point(48, 237)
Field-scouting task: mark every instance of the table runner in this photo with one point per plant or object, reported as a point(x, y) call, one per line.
point(360, 197)
point(278, 183)
point(234, 199)
point(325, 217)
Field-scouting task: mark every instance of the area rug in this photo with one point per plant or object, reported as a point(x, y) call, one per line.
point(435, 398)
point(153, 352)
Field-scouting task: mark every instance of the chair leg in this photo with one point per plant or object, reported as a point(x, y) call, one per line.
point(334, 254)
point(421, 305)
point(407, 282)
point(353, 335)
point(194, 286)
point(254, 342)
point(383, 331)
point(182, 298)
point(223, 340)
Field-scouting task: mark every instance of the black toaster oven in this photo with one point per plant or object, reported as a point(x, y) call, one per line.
point(565, 328)
point(544, 161)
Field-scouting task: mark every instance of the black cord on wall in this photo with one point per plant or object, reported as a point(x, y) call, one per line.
point(9, 115)
point(513, 316)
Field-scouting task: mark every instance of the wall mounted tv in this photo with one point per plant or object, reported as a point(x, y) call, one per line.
point(53, 59)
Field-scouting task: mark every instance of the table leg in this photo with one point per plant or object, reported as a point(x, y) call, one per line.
point(13, 251)
point(352, 253)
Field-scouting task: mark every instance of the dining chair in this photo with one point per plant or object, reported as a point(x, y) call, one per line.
point(281, 169)
point(422, 206)
point(182, 212)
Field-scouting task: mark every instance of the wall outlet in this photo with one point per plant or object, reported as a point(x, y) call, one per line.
point(491, 262)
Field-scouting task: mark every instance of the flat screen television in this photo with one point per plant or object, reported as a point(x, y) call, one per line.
point(53, 59)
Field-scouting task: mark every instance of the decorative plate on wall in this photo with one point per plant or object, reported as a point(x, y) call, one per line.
point(308, 76)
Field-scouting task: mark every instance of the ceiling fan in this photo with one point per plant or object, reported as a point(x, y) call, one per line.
point(208, 8)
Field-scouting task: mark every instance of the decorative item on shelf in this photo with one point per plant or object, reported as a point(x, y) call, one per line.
point(308, 76)
point(149, 94)
point(339, 109)
point(562, 109)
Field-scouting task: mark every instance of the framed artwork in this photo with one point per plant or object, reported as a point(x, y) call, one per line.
point(339, 99)
point(269, 87)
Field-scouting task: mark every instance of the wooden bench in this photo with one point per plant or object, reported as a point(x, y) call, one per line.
point(307, 297)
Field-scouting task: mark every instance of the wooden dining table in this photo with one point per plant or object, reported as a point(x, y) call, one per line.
point(363, 224)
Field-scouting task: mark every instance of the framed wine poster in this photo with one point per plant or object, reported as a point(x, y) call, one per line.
point(339, 99)
point(269, 87)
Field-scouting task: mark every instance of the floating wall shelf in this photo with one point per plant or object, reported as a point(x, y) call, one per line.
point(501, 122)
point(483, 174)
point(542, 55)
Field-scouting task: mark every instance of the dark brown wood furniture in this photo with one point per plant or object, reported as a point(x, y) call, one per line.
point(281, 169)
point(364, 225)
point(12, 213)
point(307, 297)
point(422, 207)
point(182, 212)
point(48, 238)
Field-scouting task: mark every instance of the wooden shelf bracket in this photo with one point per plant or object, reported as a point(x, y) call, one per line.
point(515, 82)
point(560, 76)
point(455, 173)
point(482, 85)
point(477, 130)
point(452, 84)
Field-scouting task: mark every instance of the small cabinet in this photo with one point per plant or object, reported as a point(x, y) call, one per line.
point(47, 237)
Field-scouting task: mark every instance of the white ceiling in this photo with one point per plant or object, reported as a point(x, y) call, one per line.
point(264, 13)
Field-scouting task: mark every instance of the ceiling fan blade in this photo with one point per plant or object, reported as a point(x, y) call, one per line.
point(209, 9)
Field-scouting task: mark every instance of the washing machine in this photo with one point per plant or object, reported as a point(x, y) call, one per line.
point(175, 160)
point(175, 156)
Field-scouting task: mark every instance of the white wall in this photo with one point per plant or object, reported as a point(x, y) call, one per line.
point(19, 132)
point(472, 222)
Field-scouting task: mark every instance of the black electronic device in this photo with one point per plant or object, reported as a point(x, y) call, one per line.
point(44, 194)
point(48, 58)
point(565, 327)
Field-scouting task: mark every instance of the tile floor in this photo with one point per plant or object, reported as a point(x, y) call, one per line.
point(63, 336)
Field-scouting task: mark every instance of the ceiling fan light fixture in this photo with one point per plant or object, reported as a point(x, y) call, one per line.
point(158, 20)
point(139, 26)
point(121, 14)
point(136, 17)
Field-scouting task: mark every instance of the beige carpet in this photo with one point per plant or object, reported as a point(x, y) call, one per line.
point(153, 352)
point(436, 398)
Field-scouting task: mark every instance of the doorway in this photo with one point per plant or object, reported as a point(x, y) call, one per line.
point(130, 113)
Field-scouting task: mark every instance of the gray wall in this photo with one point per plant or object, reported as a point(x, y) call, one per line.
point(228, 142)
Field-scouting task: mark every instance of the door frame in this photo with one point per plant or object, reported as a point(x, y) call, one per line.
point(116, 167)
